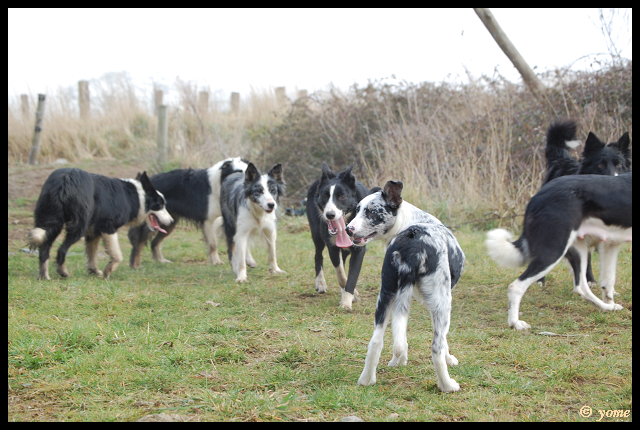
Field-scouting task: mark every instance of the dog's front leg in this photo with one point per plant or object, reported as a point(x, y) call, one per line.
point(350, 293)
point(115, 254)
point(238, 259)
point(608, 263)
point(271, 235)
point(91, 249)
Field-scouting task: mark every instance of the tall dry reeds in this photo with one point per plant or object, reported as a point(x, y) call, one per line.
point(465, 151)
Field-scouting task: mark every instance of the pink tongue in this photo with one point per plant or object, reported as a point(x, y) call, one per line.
point(154, 224)
point(342, 239)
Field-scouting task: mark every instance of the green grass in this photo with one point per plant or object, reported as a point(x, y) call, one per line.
point(146, 341)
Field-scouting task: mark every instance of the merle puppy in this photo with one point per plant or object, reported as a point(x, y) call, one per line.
point(423, 260)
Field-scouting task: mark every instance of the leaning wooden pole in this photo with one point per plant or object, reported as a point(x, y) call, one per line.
point(37, 133)
point(529, 77)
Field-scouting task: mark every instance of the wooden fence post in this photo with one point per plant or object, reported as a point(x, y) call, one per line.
point(235, 103)
point(281, 97)
point(83, 99)
point(37, 133)
point(302, 96)
point(203, 102)
point(24, 104)
point(163, 133)
point(157, 98)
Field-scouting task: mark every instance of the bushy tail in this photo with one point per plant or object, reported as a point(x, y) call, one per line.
point(505, 252)
point(37, 237)
point(561, 135)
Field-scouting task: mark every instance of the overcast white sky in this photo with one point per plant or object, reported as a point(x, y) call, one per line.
point(234, 50)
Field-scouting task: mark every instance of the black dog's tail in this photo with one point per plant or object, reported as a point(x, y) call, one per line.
point(561, 135)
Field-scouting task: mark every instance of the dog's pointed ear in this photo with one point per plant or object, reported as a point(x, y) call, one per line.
point(392, 193)
point(326, 172)
point(374, 190)
point(623, 144)
point(347, 177)
point(592, 145)
point(276, 173)
point(144, 180)
point(251, 174)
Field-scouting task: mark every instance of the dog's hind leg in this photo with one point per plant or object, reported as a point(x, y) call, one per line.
point(608, 264)
point(91, 246)
point(75, 230)
point(156, 243)
point(383, 313)
point(115, 254)
point(210, 229)
point(44, 241)
point(583, 289)
point(399, 326)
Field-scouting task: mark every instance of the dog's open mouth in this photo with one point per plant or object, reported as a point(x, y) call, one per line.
point(338, 228)
point(155, 225)
point(361, 241)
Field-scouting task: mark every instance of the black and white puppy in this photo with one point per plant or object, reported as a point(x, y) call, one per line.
point(192, 195)
point(93, 206)
point(565, 215)
point(423, 260)
point(331, 203)
point(248, 202)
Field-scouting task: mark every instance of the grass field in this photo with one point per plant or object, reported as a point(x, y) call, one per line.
point(146, 341)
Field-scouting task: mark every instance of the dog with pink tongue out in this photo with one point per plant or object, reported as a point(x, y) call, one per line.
point(331, 204)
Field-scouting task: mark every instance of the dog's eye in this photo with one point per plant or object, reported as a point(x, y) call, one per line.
point(600, 166)
point(272, 190)
point(374, 212)
point(342, 197)
point(325, 197)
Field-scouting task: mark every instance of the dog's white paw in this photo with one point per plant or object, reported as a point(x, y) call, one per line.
point(395, 362)
point(215, 260)
point(241, 278)
point(163, 260)
point(367, 379)
point(346, 301)
point(321, 286)
point(616, 307)
point(451, 360)
point(97, 272)
point(449, 386)
point(356, 296)
point(276, 270)
point(520, 325)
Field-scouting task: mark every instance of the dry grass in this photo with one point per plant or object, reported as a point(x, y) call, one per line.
point(467, 151)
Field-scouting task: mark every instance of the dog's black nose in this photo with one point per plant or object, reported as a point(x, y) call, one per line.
point(271, 205)
point(331, 215)
point(350, 230)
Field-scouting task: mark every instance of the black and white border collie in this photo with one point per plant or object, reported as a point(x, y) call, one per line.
point(565, 215)
point(93, 206)
point(331, 204)
point(597, 158)
point(193, 195)
point(248, 202)
point(423, 260)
